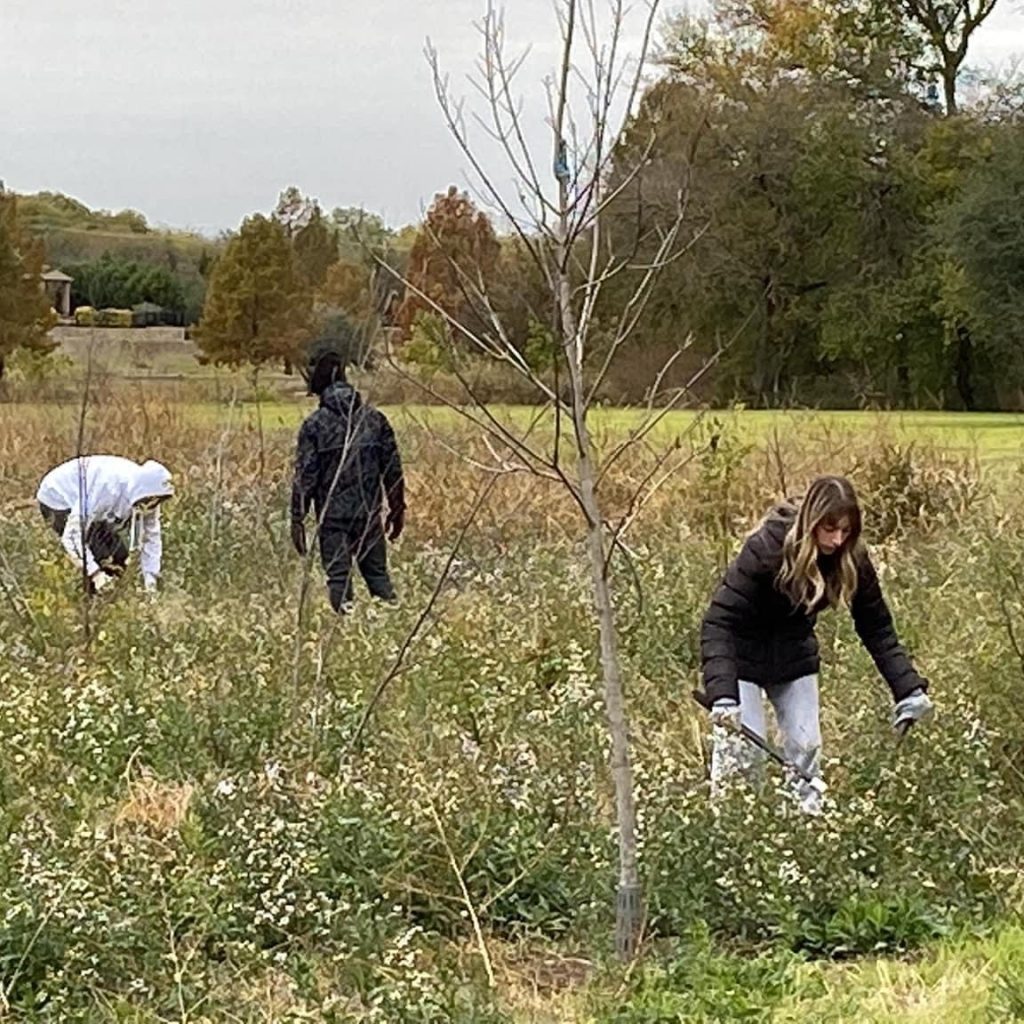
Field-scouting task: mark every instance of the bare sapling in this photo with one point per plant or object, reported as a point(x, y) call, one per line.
point(561, 221)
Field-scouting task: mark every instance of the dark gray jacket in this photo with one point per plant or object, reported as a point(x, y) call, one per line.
point(346, 460)
point(753, 631)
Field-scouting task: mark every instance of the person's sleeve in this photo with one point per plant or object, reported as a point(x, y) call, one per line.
point(71, 538)
point(732, 606)
point(151, 548)
point(307, 472)
point(873, 622)
point(391, 468)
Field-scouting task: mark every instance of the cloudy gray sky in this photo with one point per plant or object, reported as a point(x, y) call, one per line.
point(199, 112)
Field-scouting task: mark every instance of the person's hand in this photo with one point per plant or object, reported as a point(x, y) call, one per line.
point(100, 580)
point(299, 537)
point(726, 712)
point(915, 707)
point(395, 523)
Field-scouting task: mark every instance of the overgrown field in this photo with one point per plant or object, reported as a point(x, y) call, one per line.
point(202, 822)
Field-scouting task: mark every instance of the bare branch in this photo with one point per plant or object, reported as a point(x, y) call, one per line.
point(453, 119)
point(498, 77)
point(636, 306)
point(653, 419)
point(584, 216)
point(475, 291)
point(466, 898)
point(489, 423)
point(399, 662)
point(510, 355)
point(643, 494)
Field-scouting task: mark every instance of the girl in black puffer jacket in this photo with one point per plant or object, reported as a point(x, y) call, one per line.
point(757, 637)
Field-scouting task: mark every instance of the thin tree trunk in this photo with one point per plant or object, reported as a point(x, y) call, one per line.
point(762, 370)
point(259, 430)
point(903, 384)
point(965, 367)
point(903, 381)
point(629, 901)
point(949, 77)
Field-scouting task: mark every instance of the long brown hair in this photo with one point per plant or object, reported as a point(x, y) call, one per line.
point(828, 500)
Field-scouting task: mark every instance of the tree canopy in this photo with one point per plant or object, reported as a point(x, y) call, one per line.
point(25, 314)
point(257, 308)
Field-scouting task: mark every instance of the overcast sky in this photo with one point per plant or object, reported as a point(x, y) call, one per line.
point(199, 112)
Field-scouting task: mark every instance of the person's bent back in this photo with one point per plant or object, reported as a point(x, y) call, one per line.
point(103, 507)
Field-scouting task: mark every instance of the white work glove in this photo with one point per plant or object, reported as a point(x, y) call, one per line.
point(101, 580)
point(726, 712)
point(915, 707)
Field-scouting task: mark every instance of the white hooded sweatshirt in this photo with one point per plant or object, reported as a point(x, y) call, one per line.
point(105, 488)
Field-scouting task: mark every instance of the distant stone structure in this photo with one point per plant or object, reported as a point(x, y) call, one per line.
point(73, 338)
point(57, 286)
point(126, 350)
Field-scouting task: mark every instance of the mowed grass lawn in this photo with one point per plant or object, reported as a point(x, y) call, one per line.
point(989, 436)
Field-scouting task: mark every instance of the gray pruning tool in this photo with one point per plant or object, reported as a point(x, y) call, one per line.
point(814, 781)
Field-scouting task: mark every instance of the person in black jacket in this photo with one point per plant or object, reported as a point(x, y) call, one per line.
point(347, 466)
point(757, 636)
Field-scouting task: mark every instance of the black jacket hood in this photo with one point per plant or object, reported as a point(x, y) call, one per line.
point(341, 398)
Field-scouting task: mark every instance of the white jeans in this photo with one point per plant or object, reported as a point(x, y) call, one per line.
point(797, 716)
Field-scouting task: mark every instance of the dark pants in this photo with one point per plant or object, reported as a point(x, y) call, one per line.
point(344, 541)
point(103, 539)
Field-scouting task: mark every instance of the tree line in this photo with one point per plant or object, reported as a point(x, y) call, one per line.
point(290, 276)
point(857, 225)
point(852, 198)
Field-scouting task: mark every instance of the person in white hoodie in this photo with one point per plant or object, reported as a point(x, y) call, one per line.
point(113, 504)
